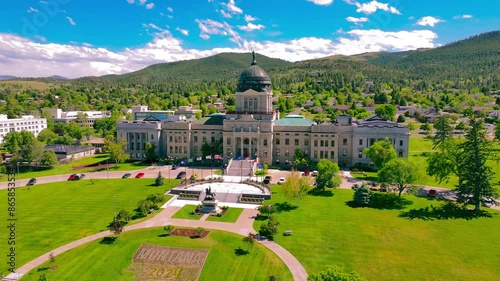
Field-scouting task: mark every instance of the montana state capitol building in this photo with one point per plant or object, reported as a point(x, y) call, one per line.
point(255, 130)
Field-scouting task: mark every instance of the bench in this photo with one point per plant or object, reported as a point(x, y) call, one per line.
point(288, 233)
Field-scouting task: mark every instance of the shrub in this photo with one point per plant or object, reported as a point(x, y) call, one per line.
point(168, 229)
point(335, 273)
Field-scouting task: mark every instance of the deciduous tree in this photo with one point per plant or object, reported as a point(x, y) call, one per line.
point(296, 187)
point(400, 173)
point(49, 159)
point(151, 155)
point(328, 174)
point(116, 150)
point(380, 153)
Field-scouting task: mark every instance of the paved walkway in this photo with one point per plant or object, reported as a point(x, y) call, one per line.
point(242, 226)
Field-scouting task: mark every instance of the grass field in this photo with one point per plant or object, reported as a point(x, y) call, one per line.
point(381, 245)
point(51, 215)
point(232, 215)
point(418, 146)
point(95, 261)
point(184, 213)
point(73, 167)
point(35, 85)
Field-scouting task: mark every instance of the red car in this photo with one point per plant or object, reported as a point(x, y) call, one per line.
point(72, 177)
point(139, 175)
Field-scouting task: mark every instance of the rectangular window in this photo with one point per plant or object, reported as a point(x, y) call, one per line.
point(277, 141)
point(321, 154)
point(228, 152)
point(152, 136)
point(372, 141)
point(400, 153)
point(287, 141)
point(344, 152)
point(171, 149)
point(228, 141)
point(185, 150)
point(344, 141)
point(326, 143)
point(176, 149)
point(204, 139)
point(265, 142)
point(332, 155)
point(332, 143)
point(306, 141)
point(306, 152)
point(315, 154)
point(401, 143)
point(315, 142)
point(321, 143)
point(287, 152)
point(277, 152)
point(185, 139)
point(360, 142)
point(131, 146)
point(360, 154)
point(296, 141)
point(169, 139)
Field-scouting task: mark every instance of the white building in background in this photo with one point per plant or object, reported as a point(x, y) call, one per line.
point(25, 123)
point(65, 117)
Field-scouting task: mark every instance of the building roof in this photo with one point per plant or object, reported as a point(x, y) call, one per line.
point(68, 149)
point(377, 121)
point(294, 120)
point(214, 119)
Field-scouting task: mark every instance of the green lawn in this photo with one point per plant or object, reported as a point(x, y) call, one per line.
point(380, 245)
point(184, 213)
point(95, 261)
point(231, 215)
point(74, 167)
point(51, 215)
point(419, 146)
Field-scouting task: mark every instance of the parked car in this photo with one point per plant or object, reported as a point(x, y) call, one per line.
point(32, 181)
point(81, 176)
point(306, 173)
point(126, 176)
point(73, 177)
point(174, 167)
point(281, 180)
point(432, 193)
point(314, 173)
point(267, 180)
point(139, 175)
point(181, 175)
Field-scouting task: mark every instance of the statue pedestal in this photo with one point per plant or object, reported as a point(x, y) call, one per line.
point(210, 207)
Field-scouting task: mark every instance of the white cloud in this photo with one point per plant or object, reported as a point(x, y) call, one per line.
point(250, 27)
point(32, 10)
point(70, 20)
point(466, 16)
point(130, 1)
point(372, 7)
point(231, 6)
point(170, 9)
point(356, 20)
point(210, 27)
point(43, 2)
point(170, 16)
point(24, 57)
point(249, 18)
point(321, 2)
point(429, 21)
point(142, 2)
point(183, 31)
point(41, 38)
point(225, 14)
point(150, 6)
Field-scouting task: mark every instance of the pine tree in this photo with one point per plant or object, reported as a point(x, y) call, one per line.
point(474, 176)
point(444, 132)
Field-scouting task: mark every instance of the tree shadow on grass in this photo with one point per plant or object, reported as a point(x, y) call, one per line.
point(108, 240)
point(383, 201)
point(321, 192)
point(445, 212)
point(241, 252)
point(284, 207)
point(261, 217)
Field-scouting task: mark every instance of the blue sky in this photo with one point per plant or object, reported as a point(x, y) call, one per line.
point(79, 38)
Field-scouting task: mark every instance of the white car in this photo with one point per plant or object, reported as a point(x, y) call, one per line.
point(314, 173)
point(282, 180)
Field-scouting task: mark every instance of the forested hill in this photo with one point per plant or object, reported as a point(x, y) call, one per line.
point(220, 66)
point(473, 57)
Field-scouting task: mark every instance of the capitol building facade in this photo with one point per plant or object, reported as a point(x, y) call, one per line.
point(255, 130)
